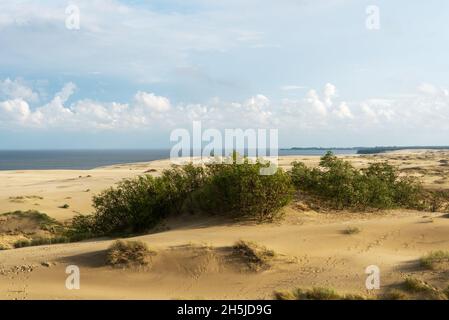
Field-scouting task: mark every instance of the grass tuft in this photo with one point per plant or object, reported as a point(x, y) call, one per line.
point(255, 256)
point(351, 230)
point(129, 254)
point(434, 259)
point(316, 293)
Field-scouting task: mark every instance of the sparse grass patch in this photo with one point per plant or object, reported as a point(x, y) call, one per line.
point(316, 293)
point(435, 259)
point(41, 219)
point(446, 292)
point(423, 289)
point(129, 254)
point(415, 285)
point(394, 294)
point(255, 256)
point(351, 230)
point(41, 241)
point(21, 199)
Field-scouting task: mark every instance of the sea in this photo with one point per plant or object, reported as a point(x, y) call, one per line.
point(89, 159)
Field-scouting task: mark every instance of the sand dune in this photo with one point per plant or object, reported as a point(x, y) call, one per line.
point(192, 258)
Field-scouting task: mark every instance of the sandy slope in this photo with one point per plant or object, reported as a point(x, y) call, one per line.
point(312, 249)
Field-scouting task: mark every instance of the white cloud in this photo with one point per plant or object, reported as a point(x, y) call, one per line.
point(330, 91)
point(343, 111)
point(14, 111)
point(292, 87)
point(148, 111)
point(314, 100)
point(16, 89)
point(151, 102)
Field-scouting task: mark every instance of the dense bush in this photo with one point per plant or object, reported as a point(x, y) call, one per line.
point(240, 190)
point(338, 182)
point(136, 205)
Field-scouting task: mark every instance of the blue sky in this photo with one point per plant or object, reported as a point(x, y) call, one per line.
point(135, 70)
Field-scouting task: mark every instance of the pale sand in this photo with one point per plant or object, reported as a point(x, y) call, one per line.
point(313, 250)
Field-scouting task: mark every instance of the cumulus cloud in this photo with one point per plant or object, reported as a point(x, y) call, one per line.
point(151, 102)
point(14, 111)
point(423, 108)
point(16, 89)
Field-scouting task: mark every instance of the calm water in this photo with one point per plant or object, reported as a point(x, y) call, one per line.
point(89, 159)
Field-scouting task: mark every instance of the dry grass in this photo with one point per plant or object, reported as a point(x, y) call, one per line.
point(22, 199)
point(317, 293)
point(125, 254)
point(256, 257)
point(423, 290)
point(395, 294)
point(351, 230)
point(435, 260)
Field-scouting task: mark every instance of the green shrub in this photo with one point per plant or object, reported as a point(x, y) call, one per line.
point(240, 190)
point(136, 205)
point(133, 206)
point(343, 186)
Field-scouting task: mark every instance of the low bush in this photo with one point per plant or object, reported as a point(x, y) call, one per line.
point(128, 254)
point(232, 189)
point(240, 190)
point(343, 186)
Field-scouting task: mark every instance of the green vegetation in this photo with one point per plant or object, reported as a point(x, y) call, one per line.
point(434, 259)
point(21, 199)
point(232, 189)
point(33, 227)
point(41, 241)
point(41, 220)
point(129, 254)
point(342, 186)
point(240, 190)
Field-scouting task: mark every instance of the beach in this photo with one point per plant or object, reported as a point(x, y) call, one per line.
point(192, 259)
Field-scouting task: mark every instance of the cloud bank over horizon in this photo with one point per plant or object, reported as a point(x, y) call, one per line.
point(319, 109)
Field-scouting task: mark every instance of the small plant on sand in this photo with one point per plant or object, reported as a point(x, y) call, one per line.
point(256, 257)
point(394, 294)
point(128, 254)
point(415, 285)
point(351, 230)
point(435, 259)
point(423, 289)
point(64, 206)
point(446, 292)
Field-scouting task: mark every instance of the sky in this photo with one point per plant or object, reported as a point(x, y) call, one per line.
point(322, 72)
